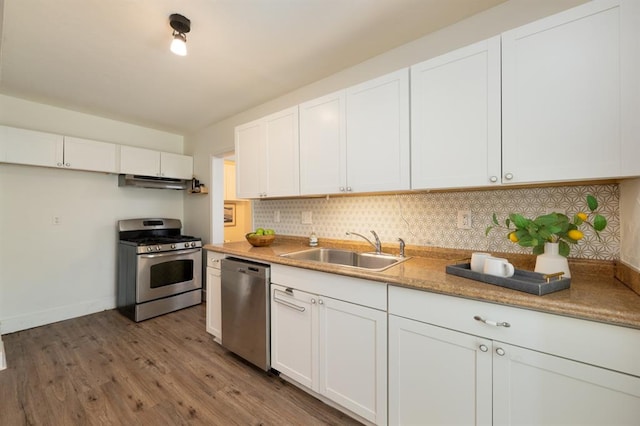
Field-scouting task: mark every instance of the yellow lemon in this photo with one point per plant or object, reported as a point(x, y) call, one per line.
point(582, 216)
point(574, 234)
point(513, 237)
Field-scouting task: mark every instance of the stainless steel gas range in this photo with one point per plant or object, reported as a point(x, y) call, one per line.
point(159, 270)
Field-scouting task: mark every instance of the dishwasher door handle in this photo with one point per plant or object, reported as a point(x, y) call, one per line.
point(287, 303)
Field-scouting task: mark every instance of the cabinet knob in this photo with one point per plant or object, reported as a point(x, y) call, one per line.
point(341, 189)
point(348, 189)
point(320, 302)
point(59, 164)
point(484, 348)
point(508, 176)
point(67, 164)
point(500, 351)
point(313, 301)
point(493, 179)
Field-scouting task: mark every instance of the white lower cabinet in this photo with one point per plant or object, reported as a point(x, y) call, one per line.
point(437, 376)
point(214, 293)
point(333, 347)
point(443, 374)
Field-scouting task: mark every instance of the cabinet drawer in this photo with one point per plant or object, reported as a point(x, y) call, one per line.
point(613, 347)
point(214, 258)
point(355, 290)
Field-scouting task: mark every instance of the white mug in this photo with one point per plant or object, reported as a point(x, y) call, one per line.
point(498, 266)
point(477, 261)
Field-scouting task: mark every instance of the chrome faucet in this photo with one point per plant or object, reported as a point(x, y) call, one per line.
point(401, 241)
point(377, 245)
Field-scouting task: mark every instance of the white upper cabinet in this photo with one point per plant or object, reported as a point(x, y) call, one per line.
point(35, 148)
point(90, 155)
point(571, 95)
point(378, 146)
point(267, 162)
point(323, 149)
point(30, 147)
point(455, 118)
point(148, 162)
point(357, 140)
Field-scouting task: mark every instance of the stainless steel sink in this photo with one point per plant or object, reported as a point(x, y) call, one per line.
point(369, 261)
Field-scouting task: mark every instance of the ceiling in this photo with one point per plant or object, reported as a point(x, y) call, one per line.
point(112, 59)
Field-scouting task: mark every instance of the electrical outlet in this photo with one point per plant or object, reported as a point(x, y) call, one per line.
point(276, 216)
point(464, 219)
point(306, 218)
point(55, 220)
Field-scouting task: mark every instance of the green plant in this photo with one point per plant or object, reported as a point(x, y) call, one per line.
point(552, 227)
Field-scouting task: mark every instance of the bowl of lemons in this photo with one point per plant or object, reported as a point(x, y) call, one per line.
point(261, 237)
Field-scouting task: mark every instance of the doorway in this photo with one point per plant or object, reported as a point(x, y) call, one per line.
point(237, 216)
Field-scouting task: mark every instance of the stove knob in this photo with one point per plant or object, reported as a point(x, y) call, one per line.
point(186, 244)
point(193, 244)
point(173, 246)
point(158, 248)
point(149, 249)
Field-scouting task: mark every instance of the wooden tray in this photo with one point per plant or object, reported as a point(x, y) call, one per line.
point(527, 281)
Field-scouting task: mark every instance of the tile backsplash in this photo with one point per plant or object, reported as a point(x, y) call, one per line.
point(430, 219)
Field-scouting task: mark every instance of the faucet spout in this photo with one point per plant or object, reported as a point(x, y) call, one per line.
point(377, 245)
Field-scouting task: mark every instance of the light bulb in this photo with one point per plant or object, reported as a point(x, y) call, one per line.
point(179, 44)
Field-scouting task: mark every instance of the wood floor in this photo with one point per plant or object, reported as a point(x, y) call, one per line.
point(104, 369)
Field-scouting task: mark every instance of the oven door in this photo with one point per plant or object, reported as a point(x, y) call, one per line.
point(165, 274)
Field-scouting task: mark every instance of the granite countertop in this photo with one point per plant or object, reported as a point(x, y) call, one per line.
point(594, 294)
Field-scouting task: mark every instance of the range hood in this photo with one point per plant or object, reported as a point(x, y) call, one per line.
point(153, 182)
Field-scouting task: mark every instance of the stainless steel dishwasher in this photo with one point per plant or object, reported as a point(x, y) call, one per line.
point(245, 310)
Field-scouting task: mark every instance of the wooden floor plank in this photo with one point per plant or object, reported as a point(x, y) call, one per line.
point(105, 369)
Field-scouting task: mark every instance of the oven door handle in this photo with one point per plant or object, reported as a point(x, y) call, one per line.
point(170, 253)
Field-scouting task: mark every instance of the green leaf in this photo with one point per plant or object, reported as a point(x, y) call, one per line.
point(577, 220)
point(495, 220)
point(486, 231)
point(599, 222)
point(507, 223)
point(538, 249)
point(563, 248)
point(519, 220)
point(592, 202)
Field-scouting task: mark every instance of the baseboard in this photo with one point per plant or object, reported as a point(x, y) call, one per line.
point(61, 313)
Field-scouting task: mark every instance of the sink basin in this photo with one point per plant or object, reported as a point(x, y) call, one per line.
point(369, 261)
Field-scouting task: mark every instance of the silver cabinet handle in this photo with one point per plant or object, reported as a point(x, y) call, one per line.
point(493, 179)
point(508, 176)
point(348, 189)
point(500, 351)
point(313, 301)
point(286, 303)
point(320, 302)
point(489, 322)
point(341, 189)
point(59, 164)
point(484, 348)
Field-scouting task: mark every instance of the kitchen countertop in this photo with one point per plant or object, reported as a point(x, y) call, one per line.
point(594, 294)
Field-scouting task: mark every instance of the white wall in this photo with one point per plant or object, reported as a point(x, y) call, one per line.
point(630, 223)
point(218, 138)
point(53, 272)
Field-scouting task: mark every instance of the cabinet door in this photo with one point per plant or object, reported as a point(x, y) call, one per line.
point(90, 155)
point(139, 161)
point(294, 335)
point(455, 118)
point(282, 153)
point(353, 357)
point(176, 166)
point(214, 306)
point(323, 150)
point(437, 376)
point(30, 147)
point(250, 160)
point(535, 388)
point(567, 81)
point(378, 134)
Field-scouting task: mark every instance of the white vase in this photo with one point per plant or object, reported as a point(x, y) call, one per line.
point(551, 261)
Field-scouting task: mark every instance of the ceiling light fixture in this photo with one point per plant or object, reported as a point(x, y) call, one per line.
point(181, 26)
